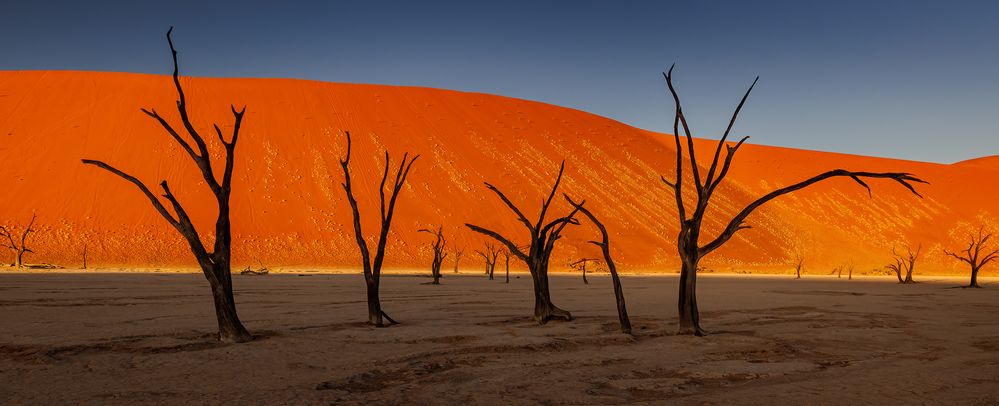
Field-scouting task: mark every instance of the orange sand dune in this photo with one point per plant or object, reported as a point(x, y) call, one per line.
point(289, 208)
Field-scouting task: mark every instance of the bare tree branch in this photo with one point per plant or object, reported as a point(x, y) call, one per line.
point(142, 187)
point(714, 161)
point(520, 215)
point(501, 239)
point(737, 222)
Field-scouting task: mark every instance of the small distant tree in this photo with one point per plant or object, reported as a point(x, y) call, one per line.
point(542, 236)
point(898, 268)
point(799, 261)
point(18, 245)
point(506, 259)
point(457, 258)
point(848, 267)
point(490, 254)
point(581, 265)
point(688, 240)
point(215, 264)
point(977, 255)
point(904, 263)
point(373, 266)
point(485, 258)
point(439, 254)
point(604, 244)
point(495, 253)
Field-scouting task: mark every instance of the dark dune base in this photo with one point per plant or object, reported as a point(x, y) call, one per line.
point(141, 338)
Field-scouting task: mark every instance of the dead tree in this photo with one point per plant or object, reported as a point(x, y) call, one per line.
point(457, 258)
point(604, 244)
point(373, 266)
point(215, 265)
point(690, 250)
point(581, 265)
point(494, 254)
point(18, 245)
point(898, 267)
point(84, 256)
point(439, 254)
point(799, 262)
point(490, 255)
point(975, 255)
point(904, 263)
point(506, 259)
point(485, 257)
point(542, 237)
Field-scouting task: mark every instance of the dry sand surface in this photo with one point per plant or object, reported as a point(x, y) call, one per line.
point(146, 338)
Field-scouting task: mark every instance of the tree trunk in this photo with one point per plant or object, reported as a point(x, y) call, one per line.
point(584, 274)
point(974, 278)
point(435, 270)
point(20, 258)
point(908, 276)
point(622, 310)
point(492, 268)
point(544, 309)
point(797, 269)
point(374, 304)
point(507, 269)
point(231, 330)
point(687, 303)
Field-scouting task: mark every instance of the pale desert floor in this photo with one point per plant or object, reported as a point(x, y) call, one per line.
point(147, 338)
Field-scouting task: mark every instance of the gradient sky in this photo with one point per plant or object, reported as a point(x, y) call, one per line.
point(905, 79)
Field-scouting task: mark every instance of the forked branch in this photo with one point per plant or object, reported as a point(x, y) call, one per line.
point(737, 222)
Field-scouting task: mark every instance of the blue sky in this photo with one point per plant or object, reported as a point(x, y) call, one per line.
point(906, 79)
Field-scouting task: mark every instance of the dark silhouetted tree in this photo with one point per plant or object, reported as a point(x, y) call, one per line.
point(904, 263)
point(216, 264)
point(690, 250)
point(581, 265)
point(506, 260)
point(373, 266)
point(490, 254)
point(485, 258)
point(457, 258)
point(18, 245)
point(799, 261)
point(542, 236)
point(977, 255)
point(439, 254)
point(604, 244)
